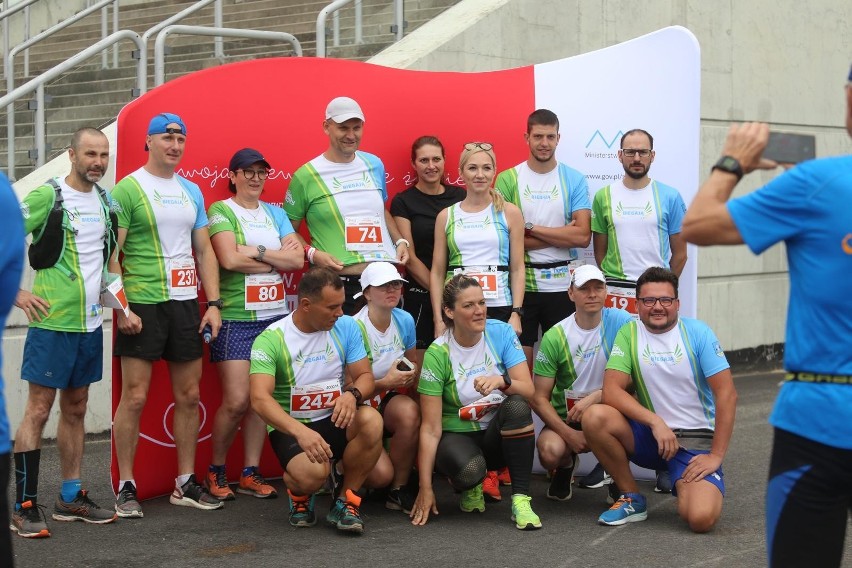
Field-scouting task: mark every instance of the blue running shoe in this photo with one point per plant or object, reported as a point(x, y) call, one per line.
point(630, 508)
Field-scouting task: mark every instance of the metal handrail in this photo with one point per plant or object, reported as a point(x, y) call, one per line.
point(10, 75)
point(37, 84)
point(160, 43)
point(218, 51)
point(334, 9)
point(4, 15)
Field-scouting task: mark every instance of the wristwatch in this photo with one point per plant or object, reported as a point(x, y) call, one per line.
point(527, 229)
point(215, 304)
point(507, 380)
point(359, 398)
point(519, 311)
point(261, 250)
point(730, 165)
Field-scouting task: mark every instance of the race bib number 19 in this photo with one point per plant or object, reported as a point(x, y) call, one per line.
point(623, 298)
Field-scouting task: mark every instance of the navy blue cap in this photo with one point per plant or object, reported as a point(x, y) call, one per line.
point(246, 157)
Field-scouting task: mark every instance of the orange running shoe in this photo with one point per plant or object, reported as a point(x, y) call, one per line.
point(217, 485)
point(491, 487)
point(255, 485)
point(504, 477)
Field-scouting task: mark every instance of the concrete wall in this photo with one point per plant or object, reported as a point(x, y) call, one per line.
point(43, 15)
point(770, 60)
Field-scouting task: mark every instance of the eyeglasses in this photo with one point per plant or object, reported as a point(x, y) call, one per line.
point(649, 301)
point(261, 174)
point(630, 152)
point(478, 145)
point(394, 285)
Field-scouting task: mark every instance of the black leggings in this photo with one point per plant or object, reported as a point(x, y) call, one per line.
point(464, 457)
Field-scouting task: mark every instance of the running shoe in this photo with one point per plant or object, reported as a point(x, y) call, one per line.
point(191, 494)
point(595, 478)
point(400, 500)
point(504, 477)
point(346, 515)
point(472, 500)
point(302, 510)
point(664, 482)
point(335, 480)
point(256, 486)
point(126, 504)
point(560, 488)
point(82, 508)
point(29, 521)
point(522, 514)
point(216, 483)
point(630, 508)
point(491, 487)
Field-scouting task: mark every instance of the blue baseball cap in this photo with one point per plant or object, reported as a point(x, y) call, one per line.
point(160, 124)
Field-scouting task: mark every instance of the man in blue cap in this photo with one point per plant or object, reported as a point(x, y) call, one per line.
point(809, 496)
point(162, 221)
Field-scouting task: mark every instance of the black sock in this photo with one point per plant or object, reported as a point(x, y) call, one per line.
point(26, 476)
point(519, 451)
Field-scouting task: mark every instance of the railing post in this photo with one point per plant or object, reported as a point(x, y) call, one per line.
point(26, 37)
point(399, 18)
point(335, 25)
point(39, 126)
point(218, 49)
point(359, 21)
point(115, 29)
point(104, 14)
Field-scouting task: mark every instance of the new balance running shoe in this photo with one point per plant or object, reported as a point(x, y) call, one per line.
point(630, 508)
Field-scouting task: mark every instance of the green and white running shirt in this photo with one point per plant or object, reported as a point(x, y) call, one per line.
point(75, 303)
point(479, 242)
point(450, 369)
point(576, 357)
point(251, 297)
point(638, 223)
point(670, 370)
point(159, 215)
point(547, 200)
point(308, 367)
point(344, 205)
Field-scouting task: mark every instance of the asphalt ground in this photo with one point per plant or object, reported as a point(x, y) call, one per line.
point(255, 532)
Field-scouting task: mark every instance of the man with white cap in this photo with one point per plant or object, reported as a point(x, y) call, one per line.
point(341, 195)
point(161, 222)
point(668, 404)
point(391, 340)
point(568, 375)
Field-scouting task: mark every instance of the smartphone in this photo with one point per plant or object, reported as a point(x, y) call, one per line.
point(789, 148)
point(404, 365)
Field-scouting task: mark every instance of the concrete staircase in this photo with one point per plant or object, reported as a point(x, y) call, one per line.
point(91, 95)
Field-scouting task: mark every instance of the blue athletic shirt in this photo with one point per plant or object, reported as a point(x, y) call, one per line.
point(808, 207)
point(11, 266)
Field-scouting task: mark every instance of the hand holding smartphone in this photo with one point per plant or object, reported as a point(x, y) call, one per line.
point(789, 148)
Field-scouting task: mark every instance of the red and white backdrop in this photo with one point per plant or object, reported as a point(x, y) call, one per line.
point(277, 106)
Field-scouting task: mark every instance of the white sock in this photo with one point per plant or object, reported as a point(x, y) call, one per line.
point(121, 483)
point(181, 480)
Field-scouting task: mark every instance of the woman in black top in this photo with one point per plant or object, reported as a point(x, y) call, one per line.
point(414, 211)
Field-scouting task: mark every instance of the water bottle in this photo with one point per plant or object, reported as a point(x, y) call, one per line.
point(207, 333)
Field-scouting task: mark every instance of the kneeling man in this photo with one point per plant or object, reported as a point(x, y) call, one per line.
point(682, 416)
point(297, 372)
